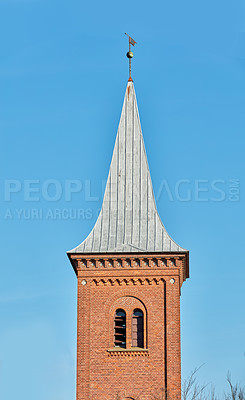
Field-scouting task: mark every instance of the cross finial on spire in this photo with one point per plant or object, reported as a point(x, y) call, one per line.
point(130, 54)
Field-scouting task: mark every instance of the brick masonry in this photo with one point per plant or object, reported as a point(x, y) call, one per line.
point(150, 282)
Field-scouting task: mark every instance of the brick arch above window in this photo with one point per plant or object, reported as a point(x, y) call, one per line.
point(144, 299)
point(129, 303)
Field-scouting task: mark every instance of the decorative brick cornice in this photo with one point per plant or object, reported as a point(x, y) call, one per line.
point(127, 281)
point(128, 262)
point(128, 353)
point(131, 262)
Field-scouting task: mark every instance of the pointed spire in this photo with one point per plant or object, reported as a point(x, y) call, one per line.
point(128, 220)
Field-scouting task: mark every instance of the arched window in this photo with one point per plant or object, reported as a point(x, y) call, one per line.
point(120, 329)
point(138, 329)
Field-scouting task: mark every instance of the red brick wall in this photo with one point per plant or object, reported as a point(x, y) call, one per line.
point(103, 373)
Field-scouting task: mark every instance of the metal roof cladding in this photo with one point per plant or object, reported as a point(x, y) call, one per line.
point(128, 221)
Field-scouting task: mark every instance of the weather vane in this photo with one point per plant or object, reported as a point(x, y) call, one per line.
point(130, 54)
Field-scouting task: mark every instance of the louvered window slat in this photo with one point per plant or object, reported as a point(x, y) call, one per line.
point(138, 329)
point(120, 329)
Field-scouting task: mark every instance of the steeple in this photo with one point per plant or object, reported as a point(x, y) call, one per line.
point(128, 221)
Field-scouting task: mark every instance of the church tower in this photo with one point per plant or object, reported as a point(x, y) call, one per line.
point(130, 273)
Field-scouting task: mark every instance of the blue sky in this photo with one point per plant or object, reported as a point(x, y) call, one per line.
point(63, 74)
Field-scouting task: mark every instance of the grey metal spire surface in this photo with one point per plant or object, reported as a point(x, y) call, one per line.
point(128, 221)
